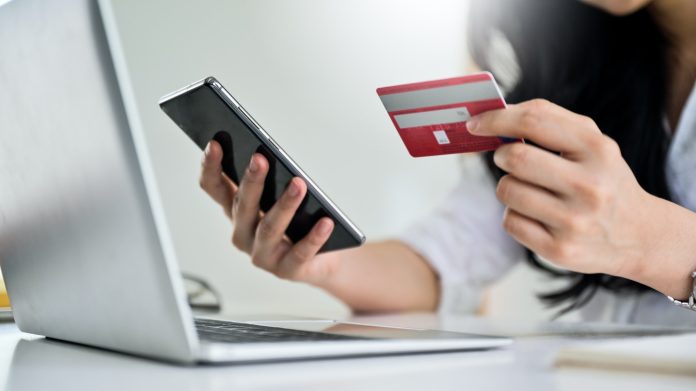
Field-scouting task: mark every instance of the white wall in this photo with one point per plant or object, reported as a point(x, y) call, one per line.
point(307, 71)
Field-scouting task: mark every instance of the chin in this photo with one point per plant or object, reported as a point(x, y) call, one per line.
point(619, 7)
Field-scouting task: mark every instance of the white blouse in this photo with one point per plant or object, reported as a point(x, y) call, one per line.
point(464, 241)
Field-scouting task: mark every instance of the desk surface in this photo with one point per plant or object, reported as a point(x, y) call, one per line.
point(29, 362)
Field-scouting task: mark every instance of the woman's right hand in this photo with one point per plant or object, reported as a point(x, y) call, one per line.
point(262, 235)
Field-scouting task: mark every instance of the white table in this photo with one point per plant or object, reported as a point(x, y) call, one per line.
point(28, 362)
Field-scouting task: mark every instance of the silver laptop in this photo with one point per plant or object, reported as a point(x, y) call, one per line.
point(83, 247)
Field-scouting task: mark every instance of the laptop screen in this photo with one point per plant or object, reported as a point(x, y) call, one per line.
point(79, 247)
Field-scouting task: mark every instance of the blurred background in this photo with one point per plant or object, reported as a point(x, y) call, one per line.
point(307, 71)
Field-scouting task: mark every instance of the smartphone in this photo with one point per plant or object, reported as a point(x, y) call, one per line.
point(206, 111)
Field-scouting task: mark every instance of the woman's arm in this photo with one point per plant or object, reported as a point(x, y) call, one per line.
point(383, 276)
point(583, 208)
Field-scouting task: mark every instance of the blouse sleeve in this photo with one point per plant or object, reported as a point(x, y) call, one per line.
point(464, 241)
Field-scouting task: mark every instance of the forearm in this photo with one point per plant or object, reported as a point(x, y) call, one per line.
point(384, 276)
point(670, 254)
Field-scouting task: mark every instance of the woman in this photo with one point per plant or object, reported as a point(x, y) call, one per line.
point(602, 189)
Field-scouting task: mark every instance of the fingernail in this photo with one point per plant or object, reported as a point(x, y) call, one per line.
point(472, 124)
point(253, 166)
point(324, 227)
point(498, 158)
point(294, 189)
point(207, 150)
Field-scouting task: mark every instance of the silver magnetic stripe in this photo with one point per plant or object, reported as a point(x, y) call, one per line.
point(436, 117)
point(480, 90)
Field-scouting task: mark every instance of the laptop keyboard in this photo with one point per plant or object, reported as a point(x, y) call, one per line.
point(233, 332)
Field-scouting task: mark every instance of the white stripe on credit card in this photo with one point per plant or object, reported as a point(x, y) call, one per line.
point(480, 90)
point(435, 117)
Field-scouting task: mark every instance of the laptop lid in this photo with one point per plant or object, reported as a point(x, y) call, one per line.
point(83, 244)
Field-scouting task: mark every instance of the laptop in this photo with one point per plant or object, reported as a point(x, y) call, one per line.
point(84, 247)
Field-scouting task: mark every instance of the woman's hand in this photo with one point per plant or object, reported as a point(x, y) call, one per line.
point(378, 276)
point(263, 235)
point(582, 209)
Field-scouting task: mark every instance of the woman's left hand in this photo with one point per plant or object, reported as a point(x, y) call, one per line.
point(582, 209)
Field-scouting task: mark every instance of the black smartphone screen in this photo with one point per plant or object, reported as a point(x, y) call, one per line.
point(204, 115)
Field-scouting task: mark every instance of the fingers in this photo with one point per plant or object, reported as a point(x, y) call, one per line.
point(218, 186)
point(306, 249)
point(531, 201)
point(540, 121)
point(537, 166)
point(528, 232)
point(245, 206)
point(262, 236)
point(271, 229)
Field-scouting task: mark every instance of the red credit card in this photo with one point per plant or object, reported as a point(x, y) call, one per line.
point(431, 116)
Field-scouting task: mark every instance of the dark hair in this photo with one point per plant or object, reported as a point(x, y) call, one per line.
point(610, 68)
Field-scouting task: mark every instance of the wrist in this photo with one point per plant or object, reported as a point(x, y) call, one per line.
point(668, 251)
point(329, 263)
point(636, 256)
